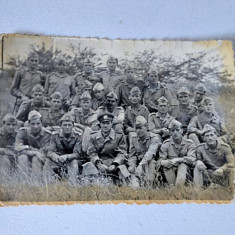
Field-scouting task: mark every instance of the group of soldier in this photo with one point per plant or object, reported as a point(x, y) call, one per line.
point(112, 125)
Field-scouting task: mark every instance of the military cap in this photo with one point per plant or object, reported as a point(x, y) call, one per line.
point(135, 91)
point(33, 115)
point(152, 70)
point(129, 67)
point(140, 121)
point(98, 87)
point(9, 118)
point(105, 116)
point(60, 58)
point(208, 100)
point(85, 96)
point(38, 88)
point(67, 117)
point(175, 124)
point(183, 90)
point(200, 87)
point(57, 95)
point(162, 100)
point(87, 60)
point(112, 58)
point(32, 54)
point(112, 95)
point(208, 128)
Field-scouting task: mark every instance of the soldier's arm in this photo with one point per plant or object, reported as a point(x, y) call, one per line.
point(16, 84)
point(20, 143)
point(230, 160)
point(92, 152)
point(168, 95)
point(121, 115)
point(23, 111)
point(152, 127)
point(132, 158)
point(122, 148)
point(192, 126)
point(118, 92)
point(51, 154)
point(191, 154)
point(163, 152)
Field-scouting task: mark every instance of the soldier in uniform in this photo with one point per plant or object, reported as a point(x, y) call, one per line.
point(111, 107)
point(177, 155)
point(51, 117)
point(208, 116)
point(134, 110)
point(159, 122)
point(143, 148)
point(88, 74)
point(185, 110)
point(153, 90)
point(62, 82)
point(107, 149)
point(25, 79)
point(37, 103)
point(123, 90)
point(65, 153)
point(7, 144)
point(111, 78)
point(199, 94)
point(31, 147)
point(99, 96)
point(215, 160)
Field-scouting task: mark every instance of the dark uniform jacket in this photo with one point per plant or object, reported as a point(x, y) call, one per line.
point(6, 140)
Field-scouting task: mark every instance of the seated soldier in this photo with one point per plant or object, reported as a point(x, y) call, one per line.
point(38, 103)
point(208, 116)
point(31, 147)
point(123, 90)
point(7, 144)
point(51, 117)
point(177, 155)
point(134, 110)
point(215, 160)
point(153, 90)
point(60, 81)
point(65, 156)
point(111, 106)
point(107, 149)
point(185, 110)
point(99, 96)
point(142, 153)
point(159, 122)
point(198, 96)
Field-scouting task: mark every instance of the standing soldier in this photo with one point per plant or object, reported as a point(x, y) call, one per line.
point(31, 146)
point(37, 103)
point(185, 110)
point(142, 153)
point(159, 122)
point(99, 96)
point(65, 152)
point(215, 161)
point(26, 79)
point(123, 90)
point(111, 78)
point(62, 82)
point(199, 94)
point(154, 90)
point(177, 155)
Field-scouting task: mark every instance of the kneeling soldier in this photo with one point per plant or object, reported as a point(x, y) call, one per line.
point(31, 145)
point(214, 160)
point(142, 152)
point(176, 155)
point(64, 154)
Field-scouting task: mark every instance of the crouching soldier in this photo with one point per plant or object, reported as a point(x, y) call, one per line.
point(176, 155)
point(7, 143)
point(64, 157)
point(215, 160)
point(31, 146)
point(142, 153)
point(107, 149)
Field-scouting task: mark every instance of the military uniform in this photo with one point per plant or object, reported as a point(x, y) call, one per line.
point(51, 118)
point(93, 78)
point(97, 103)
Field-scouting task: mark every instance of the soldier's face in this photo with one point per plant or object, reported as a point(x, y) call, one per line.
point(209, 107)
point(135, 98)
point(56, 104)
point(111, 103)
point(141, 131)
point(198, 96)
point(106, 126)
point(38, 97)
point(112, 64)
point(176, 133)
point(153, 77)
point(85, 104)
point(183, 98)
point(210, 138)
point(88, 67)
point(35, 126)
point(32, 63)
point(99, 94)
point(130, 75)
point(163, 108)
point(61, 66)
point(67, 127)
point(9, 127)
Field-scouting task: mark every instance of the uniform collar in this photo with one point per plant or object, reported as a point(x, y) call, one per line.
point(61, 134)
point(41, 133)
point(218, 146)
point(111, 135)
point(183, 142)
point(167, 115)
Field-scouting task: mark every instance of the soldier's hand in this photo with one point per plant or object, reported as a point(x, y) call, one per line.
point(62, 158)
point(165, 132)
point(102, 167)
point(177, 161)
point(201, 166)
point(218, 172)
point(112, 168)
point(40, 156)
point(139, 171)
point(131, 169)
point(24, 98)
point(167, 163)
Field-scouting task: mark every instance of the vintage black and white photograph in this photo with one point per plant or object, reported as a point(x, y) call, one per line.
point(89, 120)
